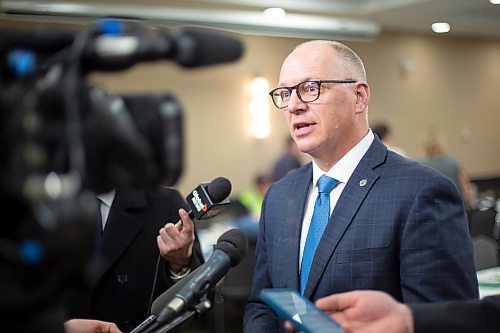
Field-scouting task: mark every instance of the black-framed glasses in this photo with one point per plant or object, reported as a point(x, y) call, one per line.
point(307, 91)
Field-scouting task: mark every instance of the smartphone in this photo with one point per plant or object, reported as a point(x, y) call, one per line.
point(294, 307)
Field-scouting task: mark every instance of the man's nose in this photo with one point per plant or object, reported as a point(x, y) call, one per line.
point(295, 104)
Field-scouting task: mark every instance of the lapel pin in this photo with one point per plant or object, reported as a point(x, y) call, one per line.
point(363, 182)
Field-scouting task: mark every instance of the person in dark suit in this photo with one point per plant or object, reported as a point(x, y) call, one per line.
point(142, 254)
point(367, 311)
point(390, 224)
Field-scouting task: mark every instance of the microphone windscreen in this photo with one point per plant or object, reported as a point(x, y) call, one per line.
point(219, 189)
point(196, 47)
point(235, 244)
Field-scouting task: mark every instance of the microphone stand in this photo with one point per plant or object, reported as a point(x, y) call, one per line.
point(199, 309)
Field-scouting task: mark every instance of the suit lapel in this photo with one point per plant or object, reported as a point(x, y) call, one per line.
point(121, 226)
point(353, 195)
point(294, 205)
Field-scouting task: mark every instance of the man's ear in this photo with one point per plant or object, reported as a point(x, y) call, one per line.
point(362, 96)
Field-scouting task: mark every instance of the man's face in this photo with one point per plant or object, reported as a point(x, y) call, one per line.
point(328, 125)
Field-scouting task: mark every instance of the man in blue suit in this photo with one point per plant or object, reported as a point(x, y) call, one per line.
point(391, 224)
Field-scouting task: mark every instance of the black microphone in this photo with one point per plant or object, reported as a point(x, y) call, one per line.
point(119, 44)
point(161, 301)
point(188, 47)
point(236, 252)
point(208, 199)
point(196, 47)
point(230, 249)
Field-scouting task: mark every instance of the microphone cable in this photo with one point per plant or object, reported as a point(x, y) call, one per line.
point(150, 302)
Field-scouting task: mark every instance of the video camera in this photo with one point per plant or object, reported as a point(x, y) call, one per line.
point(62, 140)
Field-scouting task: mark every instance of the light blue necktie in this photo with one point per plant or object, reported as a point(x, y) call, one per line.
point(319, 221)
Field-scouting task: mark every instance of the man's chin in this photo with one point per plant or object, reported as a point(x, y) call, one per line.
point(305, 146)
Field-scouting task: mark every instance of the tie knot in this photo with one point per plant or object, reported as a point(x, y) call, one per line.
point(326, 184)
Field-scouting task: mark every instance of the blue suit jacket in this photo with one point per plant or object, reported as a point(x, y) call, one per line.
point(404, 232)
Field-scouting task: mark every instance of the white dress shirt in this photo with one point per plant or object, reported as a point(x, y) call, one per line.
point(341, 171)
point(106, 202)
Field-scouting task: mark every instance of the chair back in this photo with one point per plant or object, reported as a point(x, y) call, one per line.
point(485, 252)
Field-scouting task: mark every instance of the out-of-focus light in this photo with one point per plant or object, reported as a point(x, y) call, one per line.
point(495, 2)
point(274, 13)
point(258, 108)
point(440, 27)
point(259, 87)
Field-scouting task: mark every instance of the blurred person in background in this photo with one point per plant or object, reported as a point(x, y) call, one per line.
point(252, 200)
point(384, 133)
point(437, 158)
point(288, 160)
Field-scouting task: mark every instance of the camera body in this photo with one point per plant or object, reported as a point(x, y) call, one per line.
point(63, 140)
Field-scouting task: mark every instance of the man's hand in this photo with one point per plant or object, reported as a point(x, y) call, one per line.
point(89, 326)
point(175, 242)
point(366, 311)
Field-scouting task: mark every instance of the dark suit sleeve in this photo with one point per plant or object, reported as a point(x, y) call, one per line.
point(436, 258)
point(458, 317)
point(258, 316)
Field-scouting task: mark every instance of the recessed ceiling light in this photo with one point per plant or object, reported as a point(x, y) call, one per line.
point(440, 27)
point(495, 2)
point(274, 12)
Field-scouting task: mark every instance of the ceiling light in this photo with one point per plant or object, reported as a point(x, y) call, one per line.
point(440, 27)
point(274, 13)
point(495, 2)
point(245, 22)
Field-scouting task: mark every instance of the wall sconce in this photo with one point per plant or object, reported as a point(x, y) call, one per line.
point(259, 108)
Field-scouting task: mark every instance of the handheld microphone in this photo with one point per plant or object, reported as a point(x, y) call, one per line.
point(161, 301)
point(213, 194)
point(208, 199)
point(230, 249)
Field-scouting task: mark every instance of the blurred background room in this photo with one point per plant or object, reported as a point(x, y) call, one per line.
point(432, 65)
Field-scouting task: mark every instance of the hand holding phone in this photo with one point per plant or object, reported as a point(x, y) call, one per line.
point(294, 307)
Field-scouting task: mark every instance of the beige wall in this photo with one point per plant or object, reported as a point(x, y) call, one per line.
point(452, 85)
point(454, 88)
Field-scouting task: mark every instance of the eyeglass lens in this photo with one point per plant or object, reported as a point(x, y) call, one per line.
point(307, 91)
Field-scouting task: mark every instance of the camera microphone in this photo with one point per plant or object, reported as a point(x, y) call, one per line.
point(188, 47)
point(208, 199)
point(196, 47)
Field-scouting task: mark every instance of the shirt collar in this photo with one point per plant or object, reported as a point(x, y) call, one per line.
point(107, 198)
point(343, 169)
